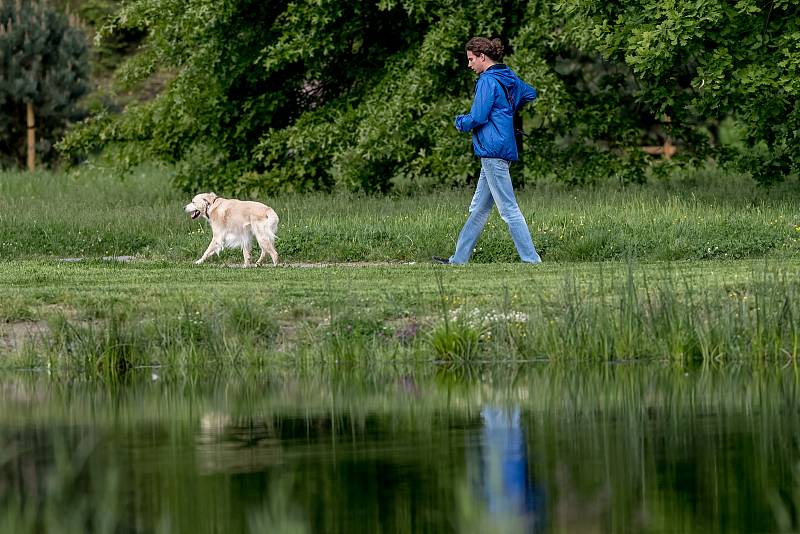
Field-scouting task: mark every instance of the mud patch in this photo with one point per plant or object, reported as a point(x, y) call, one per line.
point(15, 335)
point(124, 259)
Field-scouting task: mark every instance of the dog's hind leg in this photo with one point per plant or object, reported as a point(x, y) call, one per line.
point(213, 247)
point(266, 240)
point(267, 246)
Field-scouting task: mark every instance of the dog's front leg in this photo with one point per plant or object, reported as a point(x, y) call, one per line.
point(213, 247)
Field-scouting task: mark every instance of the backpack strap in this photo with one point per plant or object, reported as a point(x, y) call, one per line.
point(508, 95)
point(516, 119)
point(502, 88)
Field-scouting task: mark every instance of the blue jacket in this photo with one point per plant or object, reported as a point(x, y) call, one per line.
point(499, 93)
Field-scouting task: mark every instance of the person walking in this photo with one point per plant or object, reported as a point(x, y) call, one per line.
point(499, 93)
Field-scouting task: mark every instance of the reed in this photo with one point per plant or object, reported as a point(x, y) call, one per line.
point(632, 313)
point(666, 319)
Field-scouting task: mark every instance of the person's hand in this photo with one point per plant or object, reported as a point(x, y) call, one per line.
point(459, 118)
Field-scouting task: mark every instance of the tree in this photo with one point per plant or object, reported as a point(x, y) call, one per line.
point(283, 95)
point(105, 55)
point(43, 73)
point(701, 61)
point(269, 95)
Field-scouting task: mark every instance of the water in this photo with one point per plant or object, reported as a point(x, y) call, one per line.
point(535, 448)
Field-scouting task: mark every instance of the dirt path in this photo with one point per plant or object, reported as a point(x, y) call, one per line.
point(290, 265)
point(310, 265)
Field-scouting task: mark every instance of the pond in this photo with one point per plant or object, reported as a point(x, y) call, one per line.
point(625, 447)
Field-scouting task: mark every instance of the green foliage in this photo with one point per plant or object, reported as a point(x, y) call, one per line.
point(43, 61)
point(108, 351)
point(699, 62)
point(106, 54)
point(258, 105)
point(455, 342)
point(455, 339)
point(351, 337)
point(283, 96)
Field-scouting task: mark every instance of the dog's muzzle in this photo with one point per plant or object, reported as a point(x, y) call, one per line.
point(192, 209)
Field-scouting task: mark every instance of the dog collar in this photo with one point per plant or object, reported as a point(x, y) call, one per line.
point(209, 204)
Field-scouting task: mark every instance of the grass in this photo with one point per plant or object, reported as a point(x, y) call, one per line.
point(728, 291)
point(105, 318)
point(92, 214)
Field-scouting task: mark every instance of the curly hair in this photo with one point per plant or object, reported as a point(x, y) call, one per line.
point(492, 48)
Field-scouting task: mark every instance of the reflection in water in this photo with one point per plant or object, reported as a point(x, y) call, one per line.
point(504, 481)
point(641, 448)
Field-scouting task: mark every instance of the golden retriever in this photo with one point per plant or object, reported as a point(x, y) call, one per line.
point(234, 223)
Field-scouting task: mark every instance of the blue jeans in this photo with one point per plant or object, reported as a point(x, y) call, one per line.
point(494, 187)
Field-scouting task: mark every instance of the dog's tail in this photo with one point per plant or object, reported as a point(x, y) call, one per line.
point(269, 226)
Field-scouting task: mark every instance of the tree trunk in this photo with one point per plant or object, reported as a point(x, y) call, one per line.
point(31, 138)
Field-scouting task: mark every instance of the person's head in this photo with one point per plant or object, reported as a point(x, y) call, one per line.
point(482, 53)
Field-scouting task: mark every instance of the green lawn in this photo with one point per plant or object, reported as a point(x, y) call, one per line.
point(94, 214)
point(28, 286)
point(706, 272)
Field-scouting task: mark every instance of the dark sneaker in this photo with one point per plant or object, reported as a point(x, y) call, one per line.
point(443, 261)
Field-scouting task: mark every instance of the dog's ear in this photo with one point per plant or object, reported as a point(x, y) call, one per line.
point(211, 197)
